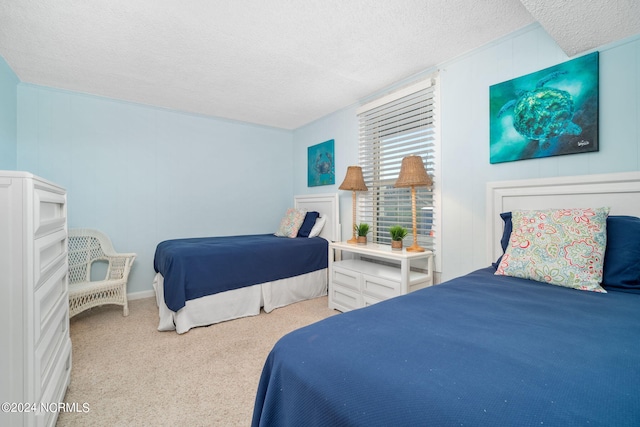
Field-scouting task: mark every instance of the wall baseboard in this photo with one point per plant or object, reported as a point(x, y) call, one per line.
point(142, 294)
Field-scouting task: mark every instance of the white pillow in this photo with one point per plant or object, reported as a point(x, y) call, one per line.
point(317, 227)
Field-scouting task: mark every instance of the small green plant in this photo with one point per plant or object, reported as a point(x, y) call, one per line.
point(362, 229)
point(397, 232)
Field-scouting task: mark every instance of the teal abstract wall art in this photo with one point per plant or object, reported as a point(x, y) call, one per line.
point(547, 113)
point(321, 167)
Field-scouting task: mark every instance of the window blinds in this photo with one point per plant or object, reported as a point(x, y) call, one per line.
point(391, 128)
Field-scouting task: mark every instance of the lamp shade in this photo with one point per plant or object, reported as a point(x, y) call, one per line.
point(354, 180)
point(413, 173)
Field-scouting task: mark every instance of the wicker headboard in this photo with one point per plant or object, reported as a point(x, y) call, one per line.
point(619, 191)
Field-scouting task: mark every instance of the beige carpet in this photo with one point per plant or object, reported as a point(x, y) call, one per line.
point(130, 374)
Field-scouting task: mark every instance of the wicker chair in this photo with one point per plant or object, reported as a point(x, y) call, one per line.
point(85, 247)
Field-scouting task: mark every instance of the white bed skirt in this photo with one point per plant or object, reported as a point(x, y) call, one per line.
point(239, 302)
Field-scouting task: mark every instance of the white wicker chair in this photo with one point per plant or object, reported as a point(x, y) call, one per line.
point(85, 247)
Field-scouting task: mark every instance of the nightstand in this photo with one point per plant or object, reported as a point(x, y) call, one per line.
point(360, 281)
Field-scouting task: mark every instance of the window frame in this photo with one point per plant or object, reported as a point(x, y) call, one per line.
point(380, 176)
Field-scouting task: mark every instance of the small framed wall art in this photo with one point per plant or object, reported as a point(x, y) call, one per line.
point(321, 165)
point(547, 113)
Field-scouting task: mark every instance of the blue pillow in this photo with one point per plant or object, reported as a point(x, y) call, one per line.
point(622, 257)
point(307, 224)
point(506, 234)
point(508, 228)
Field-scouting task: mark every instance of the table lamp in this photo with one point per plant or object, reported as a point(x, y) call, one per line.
point(354, 181)
point(413, 174)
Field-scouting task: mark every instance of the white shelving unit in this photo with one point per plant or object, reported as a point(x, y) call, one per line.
point(358, 282)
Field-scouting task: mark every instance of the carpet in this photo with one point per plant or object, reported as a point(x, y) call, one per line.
point(126, 373)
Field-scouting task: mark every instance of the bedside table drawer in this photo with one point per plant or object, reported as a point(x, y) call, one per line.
point(343, 299)
point(346, 277)
point(372, 273)
point(380, 287)
point(368, 300)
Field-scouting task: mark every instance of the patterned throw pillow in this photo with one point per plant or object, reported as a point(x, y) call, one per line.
point(563, 247)
point(291, 223)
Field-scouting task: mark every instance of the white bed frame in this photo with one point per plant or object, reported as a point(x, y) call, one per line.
point(249, 300)
point(619, 191)
point(327, 205)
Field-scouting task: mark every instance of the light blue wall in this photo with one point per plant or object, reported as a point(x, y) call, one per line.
point(343, 129)
point(8, 113)
point(143, 174)
point(465, 135)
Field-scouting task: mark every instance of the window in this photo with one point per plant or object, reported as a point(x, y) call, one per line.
point(392, 127)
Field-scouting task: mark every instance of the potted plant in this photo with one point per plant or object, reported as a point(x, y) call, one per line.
point(362, 230)
point(397, 234)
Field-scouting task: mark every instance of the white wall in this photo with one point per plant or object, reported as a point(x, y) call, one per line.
point(465, 135)
point(144, 175)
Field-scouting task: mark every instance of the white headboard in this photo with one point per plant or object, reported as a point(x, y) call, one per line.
point(327, 205)
point(619, 191)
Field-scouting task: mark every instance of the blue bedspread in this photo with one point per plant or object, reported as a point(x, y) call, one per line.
point(193, 268)
point(480, 350)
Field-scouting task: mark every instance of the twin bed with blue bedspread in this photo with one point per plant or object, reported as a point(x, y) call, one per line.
point(481, 350)
point(487, 349)
point(201, 281)
point(188, 265)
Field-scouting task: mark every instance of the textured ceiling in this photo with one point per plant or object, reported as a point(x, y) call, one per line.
point(579, 25)
point(281, 63)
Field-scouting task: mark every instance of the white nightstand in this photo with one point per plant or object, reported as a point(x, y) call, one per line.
point(357, 282)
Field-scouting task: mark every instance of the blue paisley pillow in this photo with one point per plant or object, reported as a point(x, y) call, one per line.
point(563, 247)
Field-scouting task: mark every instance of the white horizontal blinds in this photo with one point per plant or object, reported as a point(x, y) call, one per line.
point(391, 128)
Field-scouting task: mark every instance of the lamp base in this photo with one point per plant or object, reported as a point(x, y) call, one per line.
point(353, 241)
point(415, 248)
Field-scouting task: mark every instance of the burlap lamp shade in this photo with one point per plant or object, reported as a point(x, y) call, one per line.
point(413, 174)
point(354, 181)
